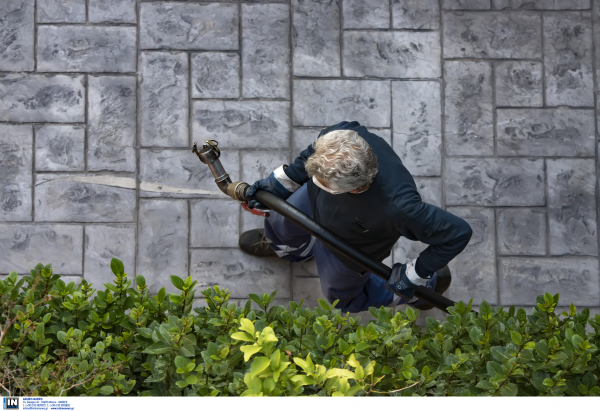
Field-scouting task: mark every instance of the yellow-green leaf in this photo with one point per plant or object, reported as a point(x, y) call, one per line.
point(253, 383)
point(299, 380)
point(301, 363)
point(258, 365)
point(340, 372)
point(275, 360)
point(242, 336)
point(246, 325)
point(359, 372)
point(249, 351)
point(268, 385)
point(352, 361)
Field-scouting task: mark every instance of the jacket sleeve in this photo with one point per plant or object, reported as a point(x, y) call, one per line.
point(296, 171)
point(446, 234)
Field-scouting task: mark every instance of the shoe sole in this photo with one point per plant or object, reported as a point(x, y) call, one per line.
point(444, 279)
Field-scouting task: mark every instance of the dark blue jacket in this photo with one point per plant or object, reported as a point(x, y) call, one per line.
point(375, 219)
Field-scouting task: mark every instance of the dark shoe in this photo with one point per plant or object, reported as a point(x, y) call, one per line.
point(443, 280)
point(255, 243)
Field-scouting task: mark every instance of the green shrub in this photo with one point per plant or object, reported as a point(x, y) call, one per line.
point(64, 339)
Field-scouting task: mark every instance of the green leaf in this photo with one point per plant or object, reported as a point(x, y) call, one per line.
point(485, 310)
point(247, 325)
point(191, 379)
point(107, 389)
point(158, 348)
point(340, 372)
point(361, 346)
point(530, 345)
point(177, 282)
point(258, 365)
point(408, 361)
point(117, 268)
point(243, 336)
point(516, 338)
point(160, 297)
point(182, 384)
point(410, 313)
point(182, 362)
point(360, 373)
point(324, 304)
point(299, 380)
point(140, 280)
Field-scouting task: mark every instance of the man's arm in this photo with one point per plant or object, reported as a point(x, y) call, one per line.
point(446, 234)
point(296, 171)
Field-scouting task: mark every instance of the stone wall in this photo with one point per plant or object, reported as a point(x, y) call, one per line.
point(491, 104)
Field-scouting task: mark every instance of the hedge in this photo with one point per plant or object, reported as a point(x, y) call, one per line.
point(67, 339)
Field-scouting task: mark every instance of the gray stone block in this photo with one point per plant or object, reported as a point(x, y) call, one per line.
point(16, 35)
point(474, 269)
point(61, 11)
point(162, 242)
point(257, 165)
point(316, 38)
point(112, 11)
point(522, 279)
point(103, 243)
point(494, 182)
point(309, 290)
point(468, 111)
point(385, 134)
point(85, 198)
point(596, 26)
point(326, 102)
point(572, 202)
point(401, 54)
point(16, 152)
point(302, 138)
point(215, 223)
point(467, 4)
point(416, 14)
point(59, 148)
point(241, 273)
point(568, 59)
point(164, 99)
point(418, 126)
point(266, 50)
point(541, 4)
point(519, 83)
point(28, 98)
point(366, 14)
point(545, 132)
point(522, 231)
point(243, 124)
point(492, 35)
point(179, 173)
point(215, 75)
point(185, 26)
point(24, 246)
point(86, 49)
point(112, 115)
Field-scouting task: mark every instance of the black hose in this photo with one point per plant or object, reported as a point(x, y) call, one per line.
point(348, 250)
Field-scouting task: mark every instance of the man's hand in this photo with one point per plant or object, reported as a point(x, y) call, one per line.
point(404, 280)
point(270, 184)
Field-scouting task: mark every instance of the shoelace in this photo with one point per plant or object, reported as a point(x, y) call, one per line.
point(262, 243)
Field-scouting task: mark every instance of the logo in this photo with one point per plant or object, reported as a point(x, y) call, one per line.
point(10, 403)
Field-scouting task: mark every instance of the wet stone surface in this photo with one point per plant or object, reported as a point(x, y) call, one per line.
point(112, 11)
point(522, 231)
point(541, 4)
point(101, 244)
point(466, 4)
point(58, 11)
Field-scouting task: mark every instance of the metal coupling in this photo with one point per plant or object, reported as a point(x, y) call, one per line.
point(237, 190)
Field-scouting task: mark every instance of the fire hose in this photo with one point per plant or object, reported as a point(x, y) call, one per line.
point(209, 155)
